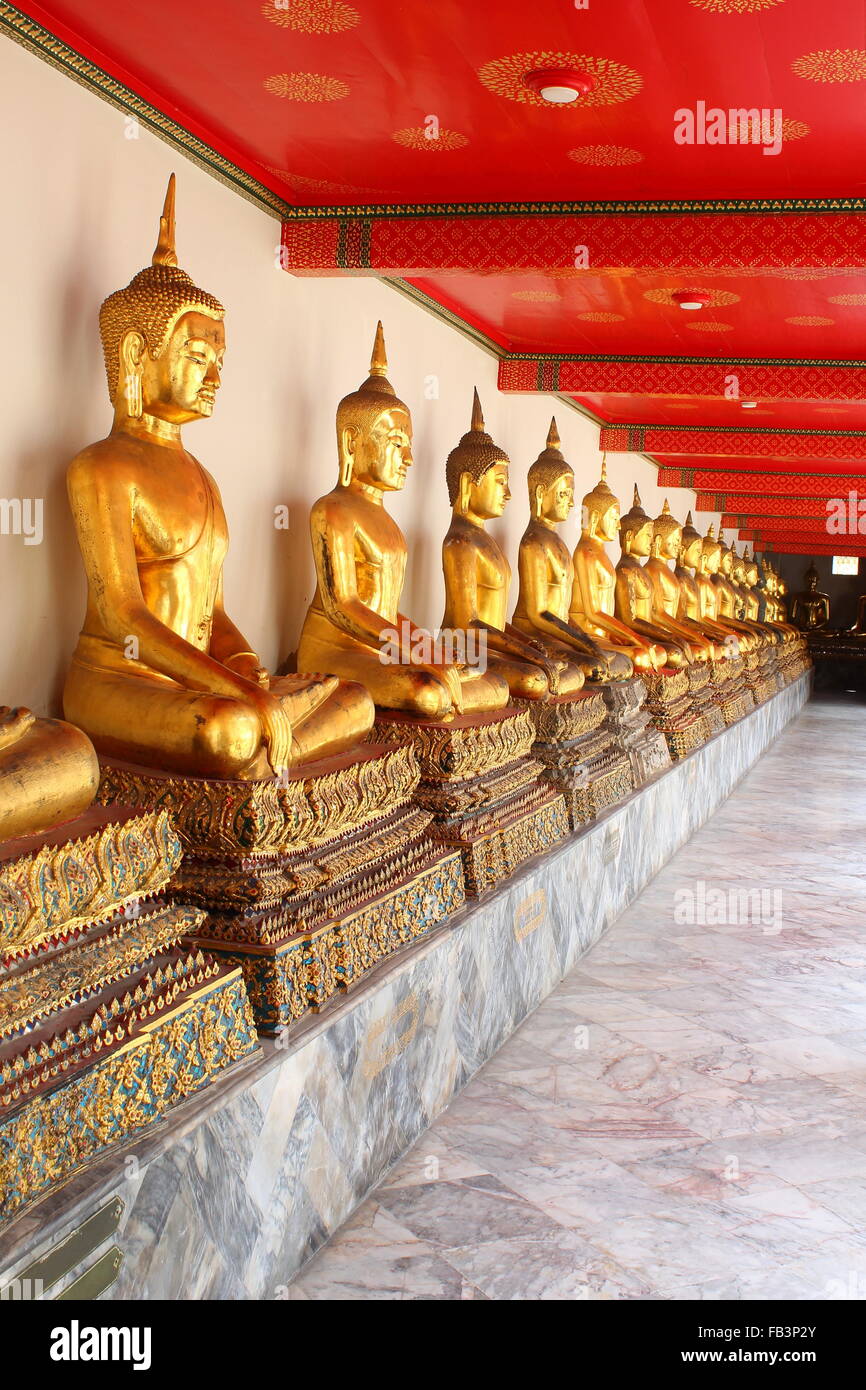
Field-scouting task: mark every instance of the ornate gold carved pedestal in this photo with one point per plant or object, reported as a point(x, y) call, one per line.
point(732, 694)
point(761, 673)
point(307, 881)
point(106, 1019)
point(673, 713)
point(634, 730)
point(703, 698)
point(579, 753)
point(482, 788)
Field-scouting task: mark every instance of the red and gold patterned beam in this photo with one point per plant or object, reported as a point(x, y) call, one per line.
point(551, 238)
point(781, 484)
point(808, 527)
point(690, 377)
point(795, 546)
point(777, 446)
point(754, 506)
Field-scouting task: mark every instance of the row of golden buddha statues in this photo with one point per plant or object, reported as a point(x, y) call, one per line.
point(204, 851)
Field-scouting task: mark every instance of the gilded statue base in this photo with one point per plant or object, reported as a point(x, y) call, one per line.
point(579, 753)
point(482, 788)
point(760, 674)
point(703, 699)
point(634, 730)
point(107, 1017)
point(732, 694)
point(673, 713)
point(307, 880)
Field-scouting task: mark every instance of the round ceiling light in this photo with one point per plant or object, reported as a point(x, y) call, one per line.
point(690, 299)
point(749, 405)
point(560, 86)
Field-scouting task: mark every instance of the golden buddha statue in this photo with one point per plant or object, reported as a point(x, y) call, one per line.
point(749, 582)
point(478, 575)
point(667, 537)
point(161, 676)
point(48, 773)
point(353, 627)
point(687, 571)
point(593, 595)
point(546, 571)
point(635, 590)
point(712, 594)
point(810, 609)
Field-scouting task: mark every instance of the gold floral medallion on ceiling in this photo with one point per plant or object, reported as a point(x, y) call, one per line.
point(419, 138)
point(605, 156)
point(716, 299)
point(849, 301)
point(312, 16)
point(306, 86)
point(614, 82)
point(832, 65)
point(596, 316)
point(736, 6)
point(536, 296)
point(710, 327)
point(809, 321)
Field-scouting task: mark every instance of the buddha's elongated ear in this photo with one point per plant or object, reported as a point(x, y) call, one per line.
point(539, 498)
point(348, 442)
point(464, 494)
point(132, 353)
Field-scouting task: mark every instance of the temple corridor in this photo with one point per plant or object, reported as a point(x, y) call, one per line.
point(684, 1116)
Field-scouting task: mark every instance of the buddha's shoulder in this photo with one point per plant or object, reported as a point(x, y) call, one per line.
point(108, 455)
point(337, 508)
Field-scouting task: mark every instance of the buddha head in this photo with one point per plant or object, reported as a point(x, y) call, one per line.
point(710, 552)
point(600, 510)
point(667, 534)
point(551, 482)
point(751, 568)
point(811, 579)
point(477, 472)
point(374, 430)
point(690, 545)
point(163, 339)
point(739, 569)
point(726, 559)
point(636, 530)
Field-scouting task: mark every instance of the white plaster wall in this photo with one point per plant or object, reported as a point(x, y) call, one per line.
point(81, 217)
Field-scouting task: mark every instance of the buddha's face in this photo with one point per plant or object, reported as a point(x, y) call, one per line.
point(638, 539)
point(690, 555)
point(181, 384)
point(382, 454)
point(739, 571)
point(604, 525)
point(811, 580)
point(670, 542)
point(752, 575)
point(556, 503)
point(489, 495)
point(711, 556)
point(726, 562)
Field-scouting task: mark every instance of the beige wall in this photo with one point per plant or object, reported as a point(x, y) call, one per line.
point(82, 208)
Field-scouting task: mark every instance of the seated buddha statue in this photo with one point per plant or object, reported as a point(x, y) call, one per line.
point(686, 571)
point(749, 607)
point(593, 594)
point(712, 594)
point(634, 587)
point(48, 773)
point(478, 575)
point(749, 582)
point(859, 628)
point(354, 627)
point(161, 676)
point(667, 536)
point(546, 571)
point(810, 608)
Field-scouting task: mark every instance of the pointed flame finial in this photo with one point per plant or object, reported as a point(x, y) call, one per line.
point(689, 521)
point(711, 533)
point(165, 253)
point(553, 439)
point(636, 502)
point(379, 359)
point(604, 467)
point(477, 413)
point(666, 511)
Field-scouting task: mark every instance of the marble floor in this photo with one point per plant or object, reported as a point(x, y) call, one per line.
point(685, 1116)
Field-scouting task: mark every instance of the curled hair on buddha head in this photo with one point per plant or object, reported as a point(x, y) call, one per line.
point(362, 408)
point(153, 300)
point(475, 453)
point(710, 541)
point(665, 523)
point(549, 467)
point(600, 499)
point(635, 517)
point(690, 532)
